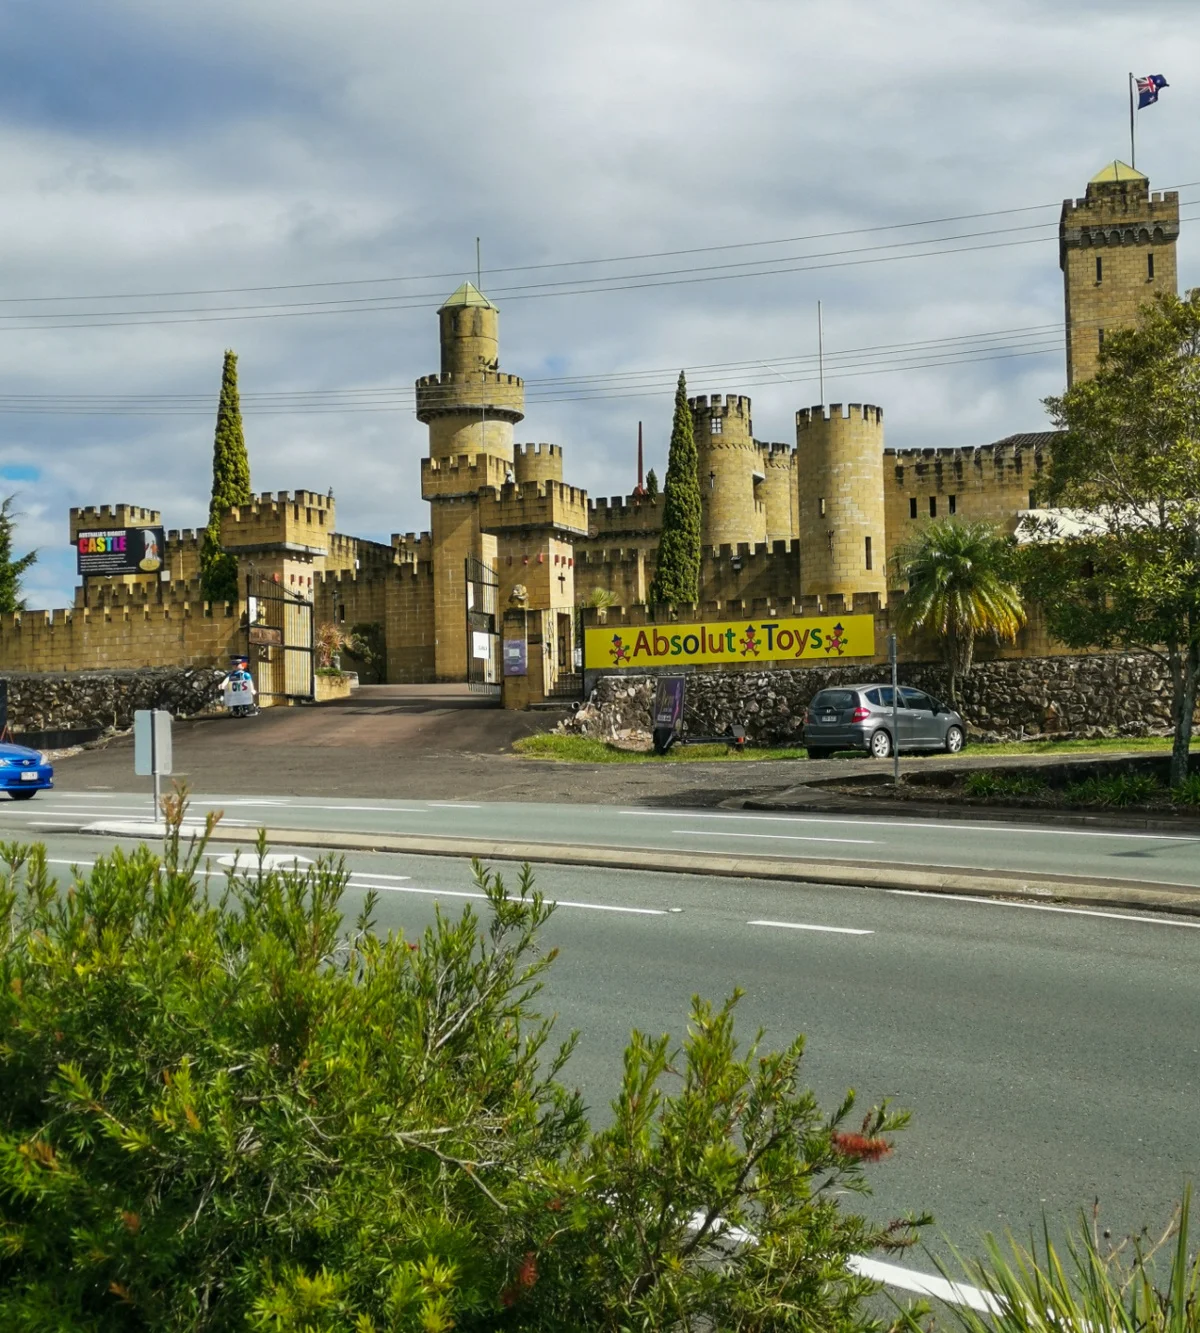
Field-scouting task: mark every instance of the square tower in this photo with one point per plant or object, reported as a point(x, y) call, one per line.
point(1116, 248)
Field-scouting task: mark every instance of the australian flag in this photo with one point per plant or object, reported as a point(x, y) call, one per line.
point(1148, 89)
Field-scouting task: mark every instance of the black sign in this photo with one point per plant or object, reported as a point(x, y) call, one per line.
point(121, 551)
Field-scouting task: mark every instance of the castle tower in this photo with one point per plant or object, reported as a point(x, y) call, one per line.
point(1116, 248)
point(537, 462)
point(778, 464)
point(840, 509)
point(470, 407)
point(730, 471)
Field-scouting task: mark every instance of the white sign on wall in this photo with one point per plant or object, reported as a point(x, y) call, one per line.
point(481, 646)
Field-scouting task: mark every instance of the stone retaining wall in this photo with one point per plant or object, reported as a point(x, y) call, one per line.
point(86, 700)
point(1125, 694)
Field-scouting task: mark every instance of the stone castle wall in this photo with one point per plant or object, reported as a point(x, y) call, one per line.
point(1118, 693)
point(90, 701)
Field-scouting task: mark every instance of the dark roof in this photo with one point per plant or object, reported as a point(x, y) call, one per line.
point(1029, 439)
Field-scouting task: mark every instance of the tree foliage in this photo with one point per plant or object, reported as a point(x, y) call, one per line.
point(961, 584)
point(1122, 567)
point(11, 568)
point(230, 486)
point(651, 483)
point(227, 1108)
point(677, 572)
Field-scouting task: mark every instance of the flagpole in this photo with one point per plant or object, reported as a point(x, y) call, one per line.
point(1132, 139)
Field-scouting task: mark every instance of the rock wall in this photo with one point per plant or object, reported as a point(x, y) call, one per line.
point(1124, 694)
point(90, 701)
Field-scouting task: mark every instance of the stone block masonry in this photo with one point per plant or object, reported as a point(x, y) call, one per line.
point(103, 700)
point(1120, 693)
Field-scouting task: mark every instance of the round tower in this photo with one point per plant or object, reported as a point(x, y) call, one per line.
point(778, 489)
point(839, 470)
point(729, 467)
point(537, 462)
point(470, 407)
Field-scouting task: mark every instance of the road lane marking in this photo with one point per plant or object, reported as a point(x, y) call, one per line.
point(914, 823)
point(301, 805)
point(772, 837)
point(1047, 907)
point(367, 874)
point(925, 1284)
point(482, 897)
point(451, 805)
point(796, 925)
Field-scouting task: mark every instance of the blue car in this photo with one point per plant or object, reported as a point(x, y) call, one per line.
point(24, 772)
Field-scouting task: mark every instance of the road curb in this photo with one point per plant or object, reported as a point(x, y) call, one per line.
point(922, 879)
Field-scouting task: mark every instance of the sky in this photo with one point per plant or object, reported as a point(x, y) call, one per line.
point(304, 183)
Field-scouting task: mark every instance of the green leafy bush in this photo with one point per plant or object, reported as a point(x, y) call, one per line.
point(986, 783)
point(1118, 790)
point(227, 1107)
point(1187, 792)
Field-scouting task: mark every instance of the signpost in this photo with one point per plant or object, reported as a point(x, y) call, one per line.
point(152, 748)
point(895, 712)
point(668, 711)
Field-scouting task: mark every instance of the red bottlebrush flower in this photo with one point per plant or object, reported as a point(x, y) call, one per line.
point(861, 1146)
point(526, 1276)
point(555, 1205)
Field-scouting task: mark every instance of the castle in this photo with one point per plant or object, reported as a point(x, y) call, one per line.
point(809, 523)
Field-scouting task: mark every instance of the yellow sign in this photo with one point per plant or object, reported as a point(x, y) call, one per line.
point(633, 646)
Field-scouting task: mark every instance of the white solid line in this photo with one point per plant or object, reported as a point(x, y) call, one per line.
point(367, 874)
point(1047, 907)
point(83, 865)
point(925, 1284)
point(46, 823)
point(451, 805)
point(914, 823)
point(772, 837)
point(556, 902)
point(795, 925)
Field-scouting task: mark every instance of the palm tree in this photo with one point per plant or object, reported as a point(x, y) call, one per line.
point(960, 585)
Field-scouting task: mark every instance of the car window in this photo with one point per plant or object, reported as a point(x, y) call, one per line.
point(881, 697)
point(834, 699)
point(873, 697)
point(915, 699)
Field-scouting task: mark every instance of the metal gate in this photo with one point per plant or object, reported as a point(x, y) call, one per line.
point(280, 643)
point(483, 637)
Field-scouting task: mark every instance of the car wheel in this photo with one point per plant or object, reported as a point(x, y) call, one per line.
point(819, 752)
point(23, 795)
point(955, 740)
point(881, 745)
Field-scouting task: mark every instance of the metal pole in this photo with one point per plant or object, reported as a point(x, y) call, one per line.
point(895, 711)
point(821, 352)
point(1132, 121)
point(478, 267)
point(154, 766)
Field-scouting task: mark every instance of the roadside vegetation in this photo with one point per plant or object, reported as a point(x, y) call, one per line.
point(590, 750)
point(230, 1105)
point(1113, 791)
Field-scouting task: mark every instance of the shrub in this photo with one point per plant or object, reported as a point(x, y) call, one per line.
point(1187, 792)
point(236, 1109)
point(984, 782)
point(1086, 1290)
point(1118, 790)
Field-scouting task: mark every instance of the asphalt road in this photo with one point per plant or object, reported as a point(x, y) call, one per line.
point(1048, 850)
point(1050, 1055)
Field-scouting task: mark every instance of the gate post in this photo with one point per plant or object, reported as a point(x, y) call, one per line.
point(524, 680)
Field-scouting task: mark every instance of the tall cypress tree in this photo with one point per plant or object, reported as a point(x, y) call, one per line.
point(230, 486)
point(677, 576)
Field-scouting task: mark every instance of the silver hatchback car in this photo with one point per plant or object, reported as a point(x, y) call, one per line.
point(860, 718)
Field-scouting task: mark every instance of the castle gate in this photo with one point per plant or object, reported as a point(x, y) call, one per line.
point(483, 635)
point(280, 643)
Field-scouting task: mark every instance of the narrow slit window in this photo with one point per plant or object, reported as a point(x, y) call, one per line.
point(1099, 269)
point(821, 507)
point(1031, 503)
point(953, 503)
point(933, 506)
point(912, 506)
point(868, 540)
point(1150, 266)
point(1101, 341)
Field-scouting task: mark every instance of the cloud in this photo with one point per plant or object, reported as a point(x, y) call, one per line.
point(150, 148)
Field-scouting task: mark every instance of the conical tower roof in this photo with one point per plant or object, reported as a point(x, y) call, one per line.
point(1117, 171)
point(467, 294)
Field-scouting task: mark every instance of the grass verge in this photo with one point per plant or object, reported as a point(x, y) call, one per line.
point(588, 750)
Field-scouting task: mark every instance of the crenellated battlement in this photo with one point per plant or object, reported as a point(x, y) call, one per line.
point(1014, 453)
point(296, 520)
point(548, 504)
point(533, 450)
point(537, 462)
point(754, 550)
point(184, 538)
point(733, 404)
point(462, 475)
point(607, 555)
point(777, 454)
point(104, 517)
point(809, 417)
point(492, 392)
